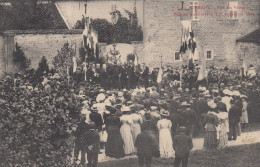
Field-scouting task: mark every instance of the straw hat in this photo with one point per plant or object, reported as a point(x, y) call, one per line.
point(94, 107)
point(125, 109)
point(153, 108)
point(164, 112)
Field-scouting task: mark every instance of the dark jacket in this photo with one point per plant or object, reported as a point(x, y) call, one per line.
point(182, 145)
point(234, 114)
point(91, 138)
point(146, 145)
point(83, 127)
point(149, 126)
point(97, 119)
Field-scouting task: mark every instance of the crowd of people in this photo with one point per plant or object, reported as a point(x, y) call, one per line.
point(118, 119)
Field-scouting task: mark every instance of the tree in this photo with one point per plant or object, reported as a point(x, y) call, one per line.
point(130, 57)
point(124, 31)
point(64, 59)
point(20, 61)
point(43, 69)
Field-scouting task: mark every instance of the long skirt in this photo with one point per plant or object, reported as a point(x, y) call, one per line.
point(114, 146)
point(210, 140)
point(127, 137)
point(165, 144)
point(223, 139)
point(244, 117)
point(136, 130)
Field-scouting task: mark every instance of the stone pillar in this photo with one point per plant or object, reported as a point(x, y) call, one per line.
point(8, 48)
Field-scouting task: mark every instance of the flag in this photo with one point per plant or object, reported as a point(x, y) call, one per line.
point(136, 61)
point(244, 68)
point(86, 34)
point(160, 75)
point(94, 38)
point(74, 60)
point(203, 71)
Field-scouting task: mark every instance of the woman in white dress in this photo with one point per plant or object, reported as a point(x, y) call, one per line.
point(165, 139)
point(125, 131)
point(223, 129)
point(244, 117)
point(136, 128)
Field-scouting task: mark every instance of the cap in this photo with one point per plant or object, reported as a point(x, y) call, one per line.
point(182, 129)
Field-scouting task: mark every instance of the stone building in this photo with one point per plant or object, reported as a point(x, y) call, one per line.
point(216, 31)
point(220, 28)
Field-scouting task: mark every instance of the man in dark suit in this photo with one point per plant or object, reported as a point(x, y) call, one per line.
point(146, 143)
point(82, 128)
point(234, 118)
point(182, 145)
point(190, 118)
point(97, 119)
point(92, 141)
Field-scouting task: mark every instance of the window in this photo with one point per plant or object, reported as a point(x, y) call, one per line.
point(194, 9)
point(209, 55)
point(232, 10)
point(177, 56)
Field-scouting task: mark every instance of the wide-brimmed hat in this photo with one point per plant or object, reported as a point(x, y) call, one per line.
point(243, 96)
point(153, 108)
point(120, 94)
point(125, 109)
point(236, 93)
point(164, 112)
point(94, 107)
point(100, 97)
point(129, 102)
point(185, 104)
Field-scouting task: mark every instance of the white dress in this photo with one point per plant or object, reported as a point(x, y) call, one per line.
point(136, 129)
point(165, 138)
point(126, 134)
point(244, 117)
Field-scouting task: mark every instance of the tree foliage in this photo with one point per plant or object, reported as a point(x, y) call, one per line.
point(43, 66)
point(28, 129)
point(19, 59)
point(125, 30)
point(43, 69)
point(64, 58)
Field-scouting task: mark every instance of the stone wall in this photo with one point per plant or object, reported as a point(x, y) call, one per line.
point(36, 45)
point(162, 31)
point(249, 52)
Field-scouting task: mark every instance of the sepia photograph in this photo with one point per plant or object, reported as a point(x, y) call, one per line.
point(129, 83)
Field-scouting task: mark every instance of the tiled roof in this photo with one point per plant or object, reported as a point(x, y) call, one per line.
point(253, 37)
point(46, 16)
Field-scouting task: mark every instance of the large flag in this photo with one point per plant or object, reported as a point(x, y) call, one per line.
point(188, 41)
point(160, 75)
point(86, 34)
point(94, 37)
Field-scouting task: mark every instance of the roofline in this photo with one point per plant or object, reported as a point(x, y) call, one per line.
point(41, 31)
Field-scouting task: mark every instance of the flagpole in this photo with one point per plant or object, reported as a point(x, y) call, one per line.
point(85, 67)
